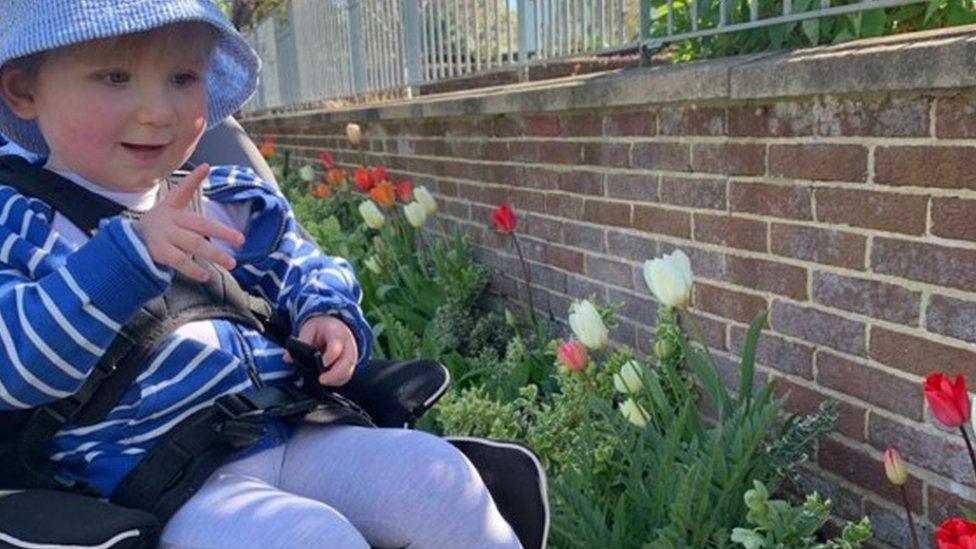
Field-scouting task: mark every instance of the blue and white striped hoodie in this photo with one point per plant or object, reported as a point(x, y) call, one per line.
point(61, 308)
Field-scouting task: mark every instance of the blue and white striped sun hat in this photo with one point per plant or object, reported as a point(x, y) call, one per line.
point(31, 26)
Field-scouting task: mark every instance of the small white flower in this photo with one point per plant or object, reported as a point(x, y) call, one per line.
point(669, 278)
point(425, 199)
point(307, 173)
point(416, 214)
point(371, 214)
point(629, 380)
point(634, 413)
point(588, 325)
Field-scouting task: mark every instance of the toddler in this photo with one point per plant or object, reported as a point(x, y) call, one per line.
point(115, 95)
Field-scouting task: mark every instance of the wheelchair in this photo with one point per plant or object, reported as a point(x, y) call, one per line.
point(391, 393)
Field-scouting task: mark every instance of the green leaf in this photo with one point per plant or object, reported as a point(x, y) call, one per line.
point(930, 10)
point(748, 362)
point(811, 29)
point(873, 23)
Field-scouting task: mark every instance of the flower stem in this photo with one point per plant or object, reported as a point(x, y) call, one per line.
point(701, 338)
point(911, 520)
point(528, 282)
point(969, 446)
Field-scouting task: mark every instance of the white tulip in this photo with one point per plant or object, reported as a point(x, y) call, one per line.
point(307, 173)
point(371, 214)
point(634, 413)
point(354, 133)
point(425, 199)
point(587, 324)
point(372, 264)
point(669, 278)
point(629, 380)
point(416, 214)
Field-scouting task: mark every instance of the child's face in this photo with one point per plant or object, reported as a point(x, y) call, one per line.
point(124, 117)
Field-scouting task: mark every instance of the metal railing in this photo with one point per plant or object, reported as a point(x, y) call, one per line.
point(323, 49)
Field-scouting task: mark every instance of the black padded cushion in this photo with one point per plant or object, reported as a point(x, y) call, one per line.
point(34, 518)
point(517, 483)
point(395, 394)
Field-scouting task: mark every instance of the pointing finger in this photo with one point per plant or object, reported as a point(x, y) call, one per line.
point(183, 193)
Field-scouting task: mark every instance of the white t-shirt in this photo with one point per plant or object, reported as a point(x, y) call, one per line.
point(233, 215)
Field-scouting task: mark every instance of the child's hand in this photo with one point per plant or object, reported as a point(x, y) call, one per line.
point(338, 345)
point(173, 234)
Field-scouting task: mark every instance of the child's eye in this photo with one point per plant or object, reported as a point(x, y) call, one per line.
point(185, 79)
point(115, 77)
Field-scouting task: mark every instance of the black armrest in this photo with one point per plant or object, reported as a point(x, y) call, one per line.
point(33, 518)
point(396, 394)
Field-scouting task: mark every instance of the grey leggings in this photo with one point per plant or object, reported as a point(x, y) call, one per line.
point(343, 487)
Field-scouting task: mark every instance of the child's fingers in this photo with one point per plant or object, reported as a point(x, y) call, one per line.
point(196, 245)
point(342, 369)
point(209, 227)
point(332, 352)
point(180, 196)
point(182, 262)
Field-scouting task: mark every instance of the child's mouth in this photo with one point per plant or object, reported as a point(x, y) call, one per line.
point(144, 152)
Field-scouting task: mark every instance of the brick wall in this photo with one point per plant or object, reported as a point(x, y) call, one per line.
point(850, 216)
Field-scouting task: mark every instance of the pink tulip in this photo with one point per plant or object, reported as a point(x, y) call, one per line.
point(573, 356)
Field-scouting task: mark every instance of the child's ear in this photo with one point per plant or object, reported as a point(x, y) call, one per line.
point(16, 91)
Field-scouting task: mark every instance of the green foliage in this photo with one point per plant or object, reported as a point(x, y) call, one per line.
point(811, 32)
point(777, 524)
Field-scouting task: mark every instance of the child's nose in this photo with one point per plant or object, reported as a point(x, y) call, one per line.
point(156, 109)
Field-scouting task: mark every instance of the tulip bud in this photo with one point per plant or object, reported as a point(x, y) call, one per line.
point(354, 133)
point(416, 214)
point(425, 199)
point(895, 467)
point(634, 413)
point(629, 380)
point(669, 278)
point(371, 214)
point(572, 354)
point(587, 324)
point(511, 319)
point(663, 349)
point(372, 264)
point(307, 173)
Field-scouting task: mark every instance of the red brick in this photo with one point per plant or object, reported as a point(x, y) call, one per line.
point(560, 152)
point(713, 332)
point(581, 182)
point(925, 166)
point(550, 230)
point(819, 327)
point(581, 124)
point(610, 272)
point(629, 246)
point(917, 355)
point(954, 218)
point(827, 246)
point(952, 317)
point(527, 200)
point(734, 232)
point(867, 297)
point(792, 201)
point(767, 276)
point(866, 471)
point(612, 155)
point(870, 385)
point(699, 192)
point(657, 220)
point(944, 505)
point(890, 527)
point(940, 452)
point(538, 178)
point(603, 212)
point(783, 119)
point(564, 205)
point(524, 151)
point(926, 262)
point(585, 237)
point(822, 162)
point(779, 353)
point(639, 123)
point(873, 210)
point(495, 150)
point(661, 156)
point(729, 158)
point(564, 258)
point(640, 187)
point(728, 303)
point(955, 117)
point(543, 125)
point(504, 126)
point(692, 121)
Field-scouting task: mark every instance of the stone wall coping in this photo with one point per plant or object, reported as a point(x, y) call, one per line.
point(929, 60)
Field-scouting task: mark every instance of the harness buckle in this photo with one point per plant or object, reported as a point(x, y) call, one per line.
point(241, 423)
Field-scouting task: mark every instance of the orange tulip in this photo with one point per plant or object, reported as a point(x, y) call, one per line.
point(335, 176)
point(384, 194)
point(323, 190)
point(268, 147)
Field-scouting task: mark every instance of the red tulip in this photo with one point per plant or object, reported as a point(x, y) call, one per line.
point(572, 354)
point(380, 174)
point(504, 218)
point(956, 533)
point(327, 160)
point(404, 191)
point(364, 179)
point(949, 401)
